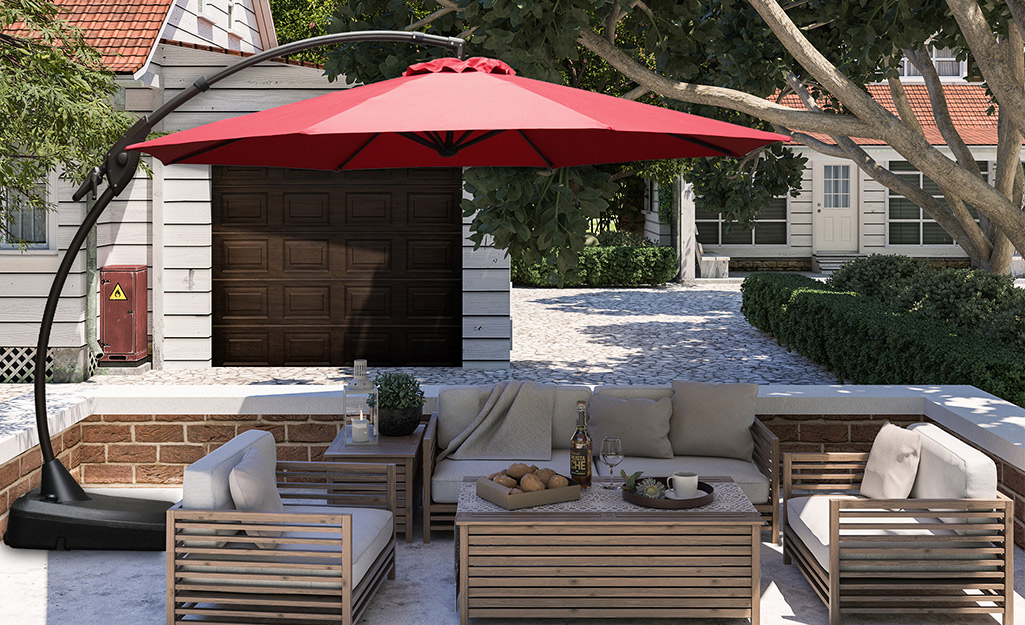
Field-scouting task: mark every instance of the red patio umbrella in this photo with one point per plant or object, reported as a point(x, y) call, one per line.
point(456, 113)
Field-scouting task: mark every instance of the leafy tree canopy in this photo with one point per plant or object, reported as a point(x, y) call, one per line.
point(734, 59)
point(55, 102)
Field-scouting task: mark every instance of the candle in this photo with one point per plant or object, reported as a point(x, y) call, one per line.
point(361, 431)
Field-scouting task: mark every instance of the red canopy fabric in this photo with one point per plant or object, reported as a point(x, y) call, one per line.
point(456, 113)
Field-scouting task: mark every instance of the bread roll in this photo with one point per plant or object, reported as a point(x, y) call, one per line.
point(530, 483)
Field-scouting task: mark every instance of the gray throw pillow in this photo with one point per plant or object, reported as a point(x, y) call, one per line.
point(713, 419)
point(254, 488)
point(892, 463)
point(642, 425)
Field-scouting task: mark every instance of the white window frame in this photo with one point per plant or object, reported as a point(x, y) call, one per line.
point(50, 245)
point(923, 217)
point(908, 71)
point(719, 221)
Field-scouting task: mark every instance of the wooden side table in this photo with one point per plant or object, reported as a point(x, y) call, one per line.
point(402, 451)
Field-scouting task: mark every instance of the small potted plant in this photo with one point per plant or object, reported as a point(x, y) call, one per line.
point(402, 402)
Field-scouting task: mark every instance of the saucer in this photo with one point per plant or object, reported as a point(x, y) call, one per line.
point(672, 495)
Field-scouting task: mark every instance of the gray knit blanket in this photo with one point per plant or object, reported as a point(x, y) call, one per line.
point(514, 424)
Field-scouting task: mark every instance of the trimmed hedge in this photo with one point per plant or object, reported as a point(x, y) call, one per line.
point(606, 266)
point(869, 342)
point(969, 299)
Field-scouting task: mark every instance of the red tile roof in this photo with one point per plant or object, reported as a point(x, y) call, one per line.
point(124, 31)
point(967, 104)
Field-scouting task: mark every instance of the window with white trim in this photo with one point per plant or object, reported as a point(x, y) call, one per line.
point(945, 61)
point(907, 224)
point(769, 228)
point(25, 223)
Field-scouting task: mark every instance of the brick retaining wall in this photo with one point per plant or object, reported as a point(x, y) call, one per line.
point(112, 450)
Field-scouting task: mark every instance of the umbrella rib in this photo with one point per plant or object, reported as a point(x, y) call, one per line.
point(705, 144)
point(412, 136)
point(531, 144)
point(356, 153)
point(487, 135)
point(201, 151)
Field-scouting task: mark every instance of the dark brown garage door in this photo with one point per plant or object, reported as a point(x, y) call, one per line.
point(317, 268)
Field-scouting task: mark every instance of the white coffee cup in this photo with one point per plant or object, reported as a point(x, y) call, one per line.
point(684, 484)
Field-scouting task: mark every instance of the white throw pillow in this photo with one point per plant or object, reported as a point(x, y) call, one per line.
point(254, 489)
point(892, 463)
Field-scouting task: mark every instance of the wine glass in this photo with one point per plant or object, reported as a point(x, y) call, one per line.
point(611, 454)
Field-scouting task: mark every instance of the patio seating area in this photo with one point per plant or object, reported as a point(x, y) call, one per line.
point(127, 435)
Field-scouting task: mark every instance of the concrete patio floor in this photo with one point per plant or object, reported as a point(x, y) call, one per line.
point(104, 587)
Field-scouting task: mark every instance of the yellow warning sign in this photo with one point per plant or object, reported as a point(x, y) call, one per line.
point(118, 292)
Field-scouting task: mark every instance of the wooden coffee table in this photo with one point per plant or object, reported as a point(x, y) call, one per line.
point(601, 557)
point(402, 451)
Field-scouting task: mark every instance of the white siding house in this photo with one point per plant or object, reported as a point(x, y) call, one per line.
point(163, 220)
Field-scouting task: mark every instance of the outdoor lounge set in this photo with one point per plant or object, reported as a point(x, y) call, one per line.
point(917, 525)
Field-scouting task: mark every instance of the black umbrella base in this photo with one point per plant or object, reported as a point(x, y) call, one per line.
point(102, 522)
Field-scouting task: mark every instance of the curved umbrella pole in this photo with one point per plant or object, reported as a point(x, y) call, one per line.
point(119, 167)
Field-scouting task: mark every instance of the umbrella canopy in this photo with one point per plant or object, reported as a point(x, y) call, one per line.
point(456, 113)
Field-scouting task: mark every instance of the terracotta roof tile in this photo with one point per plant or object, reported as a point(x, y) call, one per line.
point(124, 31)
point(967, 104)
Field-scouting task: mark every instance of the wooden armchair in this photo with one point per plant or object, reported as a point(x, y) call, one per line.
point(894, 556)
point(321, 560)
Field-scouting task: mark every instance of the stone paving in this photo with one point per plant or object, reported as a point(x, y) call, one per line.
point(582, 336)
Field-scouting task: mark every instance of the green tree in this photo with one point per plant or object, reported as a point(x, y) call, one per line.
point(55, 102)
point(733, 55)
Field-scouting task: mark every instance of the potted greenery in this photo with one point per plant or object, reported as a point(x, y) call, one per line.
point(402, 402)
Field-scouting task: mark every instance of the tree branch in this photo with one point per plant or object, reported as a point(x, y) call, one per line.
point(940, 112)
point(1018, 13)
point(900, 101)
point(635, 93)
point(726, 98)
point(615, 14)
point(430, 18)
point(987, 53)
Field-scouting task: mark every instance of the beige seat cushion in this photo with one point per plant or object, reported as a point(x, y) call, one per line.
point(892, 463)
point(809, 518)
point(448, 475)
point(642, 425)
point(713, 419)
point(372, 530)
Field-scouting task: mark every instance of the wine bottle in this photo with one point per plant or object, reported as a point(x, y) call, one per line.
point(580, 450)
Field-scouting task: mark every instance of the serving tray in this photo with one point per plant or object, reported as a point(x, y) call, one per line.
point(705, 496)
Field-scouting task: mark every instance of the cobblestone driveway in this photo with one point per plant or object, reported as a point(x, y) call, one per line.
point(587, 336)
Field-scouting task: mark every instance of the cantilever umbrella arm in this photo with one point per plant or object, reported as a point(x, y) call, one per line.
point(119, 167)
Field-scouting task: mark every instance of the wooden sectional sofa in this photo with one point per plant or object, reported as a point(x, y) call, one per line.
point(757, 477)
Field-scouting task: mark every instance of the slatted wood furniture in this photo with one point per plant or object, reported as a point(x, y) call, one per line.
point(321, 560)
point(402, 451)
point(760, 477)
point(927, 555)
point(440, 515)
point(601, 557)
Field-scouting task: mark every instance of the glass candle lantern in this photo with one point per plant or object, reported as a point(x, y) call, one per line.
point(359, 404)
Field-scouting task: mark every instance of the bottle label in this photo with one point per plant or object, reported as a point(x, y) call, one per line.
point(578, 464)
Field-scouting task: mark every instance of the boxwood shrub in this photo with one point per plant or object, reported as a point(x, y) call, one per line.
point(869, 342)
point(969, 299)
point(606, 266)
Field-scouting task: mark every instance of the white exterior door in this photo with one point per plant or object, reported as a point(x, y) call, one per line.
point(835, 216)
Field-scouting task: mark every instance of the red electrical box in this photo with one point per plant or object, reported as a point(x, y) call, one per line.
point(123, 312)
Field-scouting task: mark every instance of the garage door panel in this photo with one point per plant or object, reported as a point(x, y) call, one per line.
point(368, 256)
point(425, 256)
point(305, 209)
point(309, 349)
point(306, 255)
point(243, 302)
point(240, 347)
point(242, 256)
point(304, 303)
point(316, 269)
point(431, 302)
point(368, 301)
point(368, 209)
point(244, 209)
point(431, 208)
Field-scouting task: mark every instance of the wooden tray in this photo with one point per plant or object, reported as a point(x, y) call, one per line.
point(701, 499)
